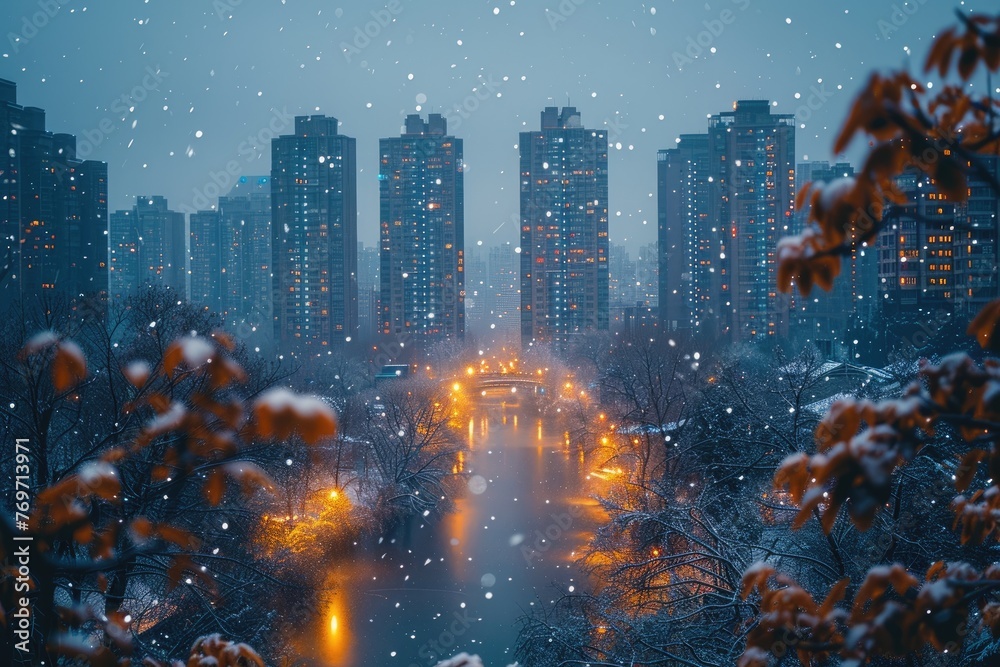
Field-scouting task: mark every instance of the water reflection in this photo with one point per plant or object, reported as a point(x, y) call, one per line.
point(459, 584)
point(336, 644)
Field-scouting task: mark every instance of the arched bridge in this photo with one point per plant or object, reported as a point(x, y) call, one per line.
point(486, 384)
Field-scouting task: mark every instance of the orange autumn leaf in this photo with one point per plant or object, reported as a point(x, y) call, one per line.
point(69, 367)
point(984, 327)
point(214, 487)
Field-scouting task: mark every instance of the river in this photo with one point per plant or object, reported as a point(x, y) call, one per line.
point(461, 582)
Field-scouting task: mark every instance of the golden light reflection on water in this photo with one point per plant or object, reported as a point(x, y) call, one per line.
point(457, 527)
point(588, 512)
point(335, 624)
point(333, 634)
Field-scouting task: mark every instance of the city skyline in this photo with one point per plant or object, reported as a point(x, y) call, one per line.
point(472, 334)
point(724, 199)
point(117, 109)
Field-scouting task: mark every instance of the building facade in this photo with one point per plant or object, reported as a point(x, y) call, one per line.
point(422, 223)
point(937, 257)
point(690, 240)
point(53, 210)
point(564, 228)
point(752, 153)
point(230, 263)
point(725, 199)
point(314, 232)
point(147, 246)
point(829, 320)
point(503, 293)
point(368, 289)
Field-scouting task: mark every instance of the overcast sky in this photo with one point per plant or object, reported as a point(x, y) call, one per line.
point(231, 71)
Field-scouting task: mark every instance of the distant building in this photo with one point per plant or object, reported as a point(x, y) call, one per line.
point(647, 275)
point(633, 283)
point(476, 280)
point(937, 257)
point(230, 267)
point(206, 275)
point(422, 222)
point(725, 199)
point(826, 319)
point(821, 171)
point(635, 320)
point(503, 292)
point(53, 210)
point(247, 260)
point(314, 235)
point(753, 161)
point(564, 228)
point(368, 289)
point(691, 240)
point(148, 246)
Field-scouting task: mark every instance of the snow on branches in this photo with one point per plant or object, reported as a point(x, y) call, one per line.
point(861, 444)
point(939, 135)
point(193, 427)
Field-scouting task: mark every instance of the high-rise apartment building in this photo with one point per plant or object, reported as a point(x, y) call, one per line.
point(230, 247)
point(53, 210)
point(938, 257)
point(314, 235)
point(206, 246)
point(725, 200)
point(476, 281)
point(827, 319)
point(690, 239)
point(368, 289)
point(422, 223)
point(148, 246)
point(752, 153)
point(503, 292)
point(564, 228)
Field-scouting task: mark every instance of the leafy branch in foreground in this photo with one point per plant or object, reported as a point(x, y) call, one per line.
point(863, 446)
point(189, 449)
